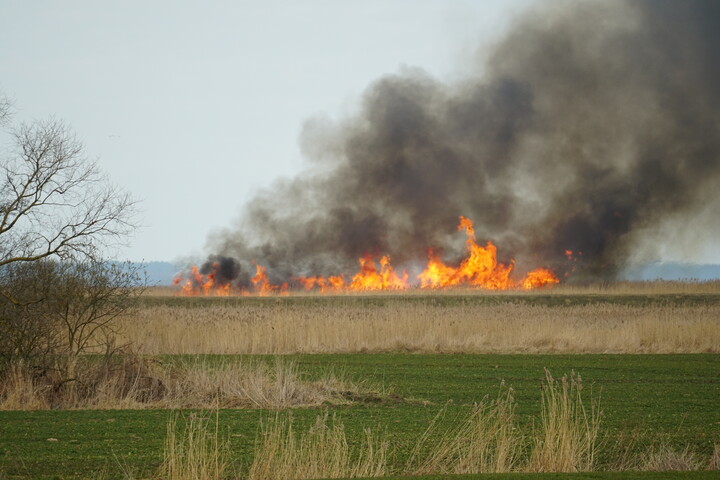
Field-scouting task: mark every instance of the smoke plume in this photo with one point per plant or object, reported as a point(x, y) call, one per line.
point(588, 123)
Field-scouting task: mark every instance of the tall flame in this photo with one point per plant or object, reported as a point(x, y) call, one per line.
point(262, 284)
point(479, 269)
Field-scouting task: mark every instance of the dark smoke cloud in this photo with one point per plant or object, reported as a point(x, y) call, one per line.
point(226, 270)
point(588, 123)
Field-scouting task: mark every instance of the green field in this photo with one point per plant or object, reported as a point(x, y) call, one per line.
point(671, 399)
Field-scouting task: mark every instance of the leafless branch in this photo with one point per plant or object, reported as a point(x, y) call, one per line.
point(54, 201)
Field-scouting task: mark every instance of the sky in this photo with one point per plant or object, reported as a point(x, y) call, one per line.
point(193, 107)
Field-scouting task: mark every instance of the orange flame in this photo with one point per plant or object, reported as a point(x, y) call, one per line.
point(369, 278)
point(262, 284)
point(198, 284)
point(480, 269)
point(539, 277)
point(329, 284)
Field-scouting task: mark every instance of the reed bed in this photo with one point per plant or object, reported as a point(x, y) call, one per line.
point(285, 328)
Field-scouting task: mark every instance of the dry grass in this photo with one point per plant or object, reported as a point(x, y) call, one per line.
point(665, 458)
point(321, 452)
point(194, 450)
point(714, 463)
point(20, 390)
point(282, 328)
point(141, 383)
point(565, 439)
point(486, 442)
point(568, 433)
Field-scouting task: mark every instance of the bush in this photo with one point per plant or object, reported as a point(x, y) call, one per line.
point(57, 311)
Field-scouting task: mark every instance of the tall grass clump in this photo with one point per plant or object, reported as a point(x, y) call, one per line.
point(19, 390)
point(487, 441)
point(194, 449)
point(321, 452)
point(133, 382)
point(665, 458)
point(566, 440)
point(714, 463)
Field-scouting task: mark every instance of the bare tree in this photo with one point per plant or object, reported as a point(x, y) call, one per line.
point(58, 299)
point(27, 335)
point(65, 310)
point(54, 202)
point(5, 109)
point(86, 300)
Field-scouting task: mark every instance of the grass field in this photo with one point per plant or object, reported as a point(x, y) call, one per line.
point(587, 321)
point(659, 399)
point(648, 353)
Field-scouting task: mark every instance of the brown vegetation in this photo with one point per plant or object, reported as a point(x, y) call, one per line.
point(132, 382)
point(334, 327)
point(665, 459)
point(568, 433)
point(321, 452)
point(488, 440)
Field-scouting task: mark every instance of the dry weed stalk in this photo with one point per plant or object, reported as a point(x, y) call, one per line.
point(714, 463)
point(567, 438)
point(194, 449)
point(665, 458)
point(486, 442)
point(21, 391)
point(321, 452)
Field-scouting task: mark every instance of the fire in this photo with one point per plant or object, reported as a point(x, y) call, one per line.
point(572, 257)
point(478, 269)
point(198, 284)
point(369, 278)
point(262, 284)
point(329, 284)
point(539, 277)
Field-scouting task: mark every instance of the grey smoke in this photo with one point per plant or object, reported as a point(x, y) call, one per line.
point(589, 123)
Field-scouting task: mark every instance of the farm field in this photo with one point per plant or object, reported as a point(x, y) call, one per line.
point(647, 355)
point(663, 399)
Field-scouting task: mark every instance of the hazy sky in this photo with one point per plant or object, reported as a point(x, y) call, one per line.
point(194, 106)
